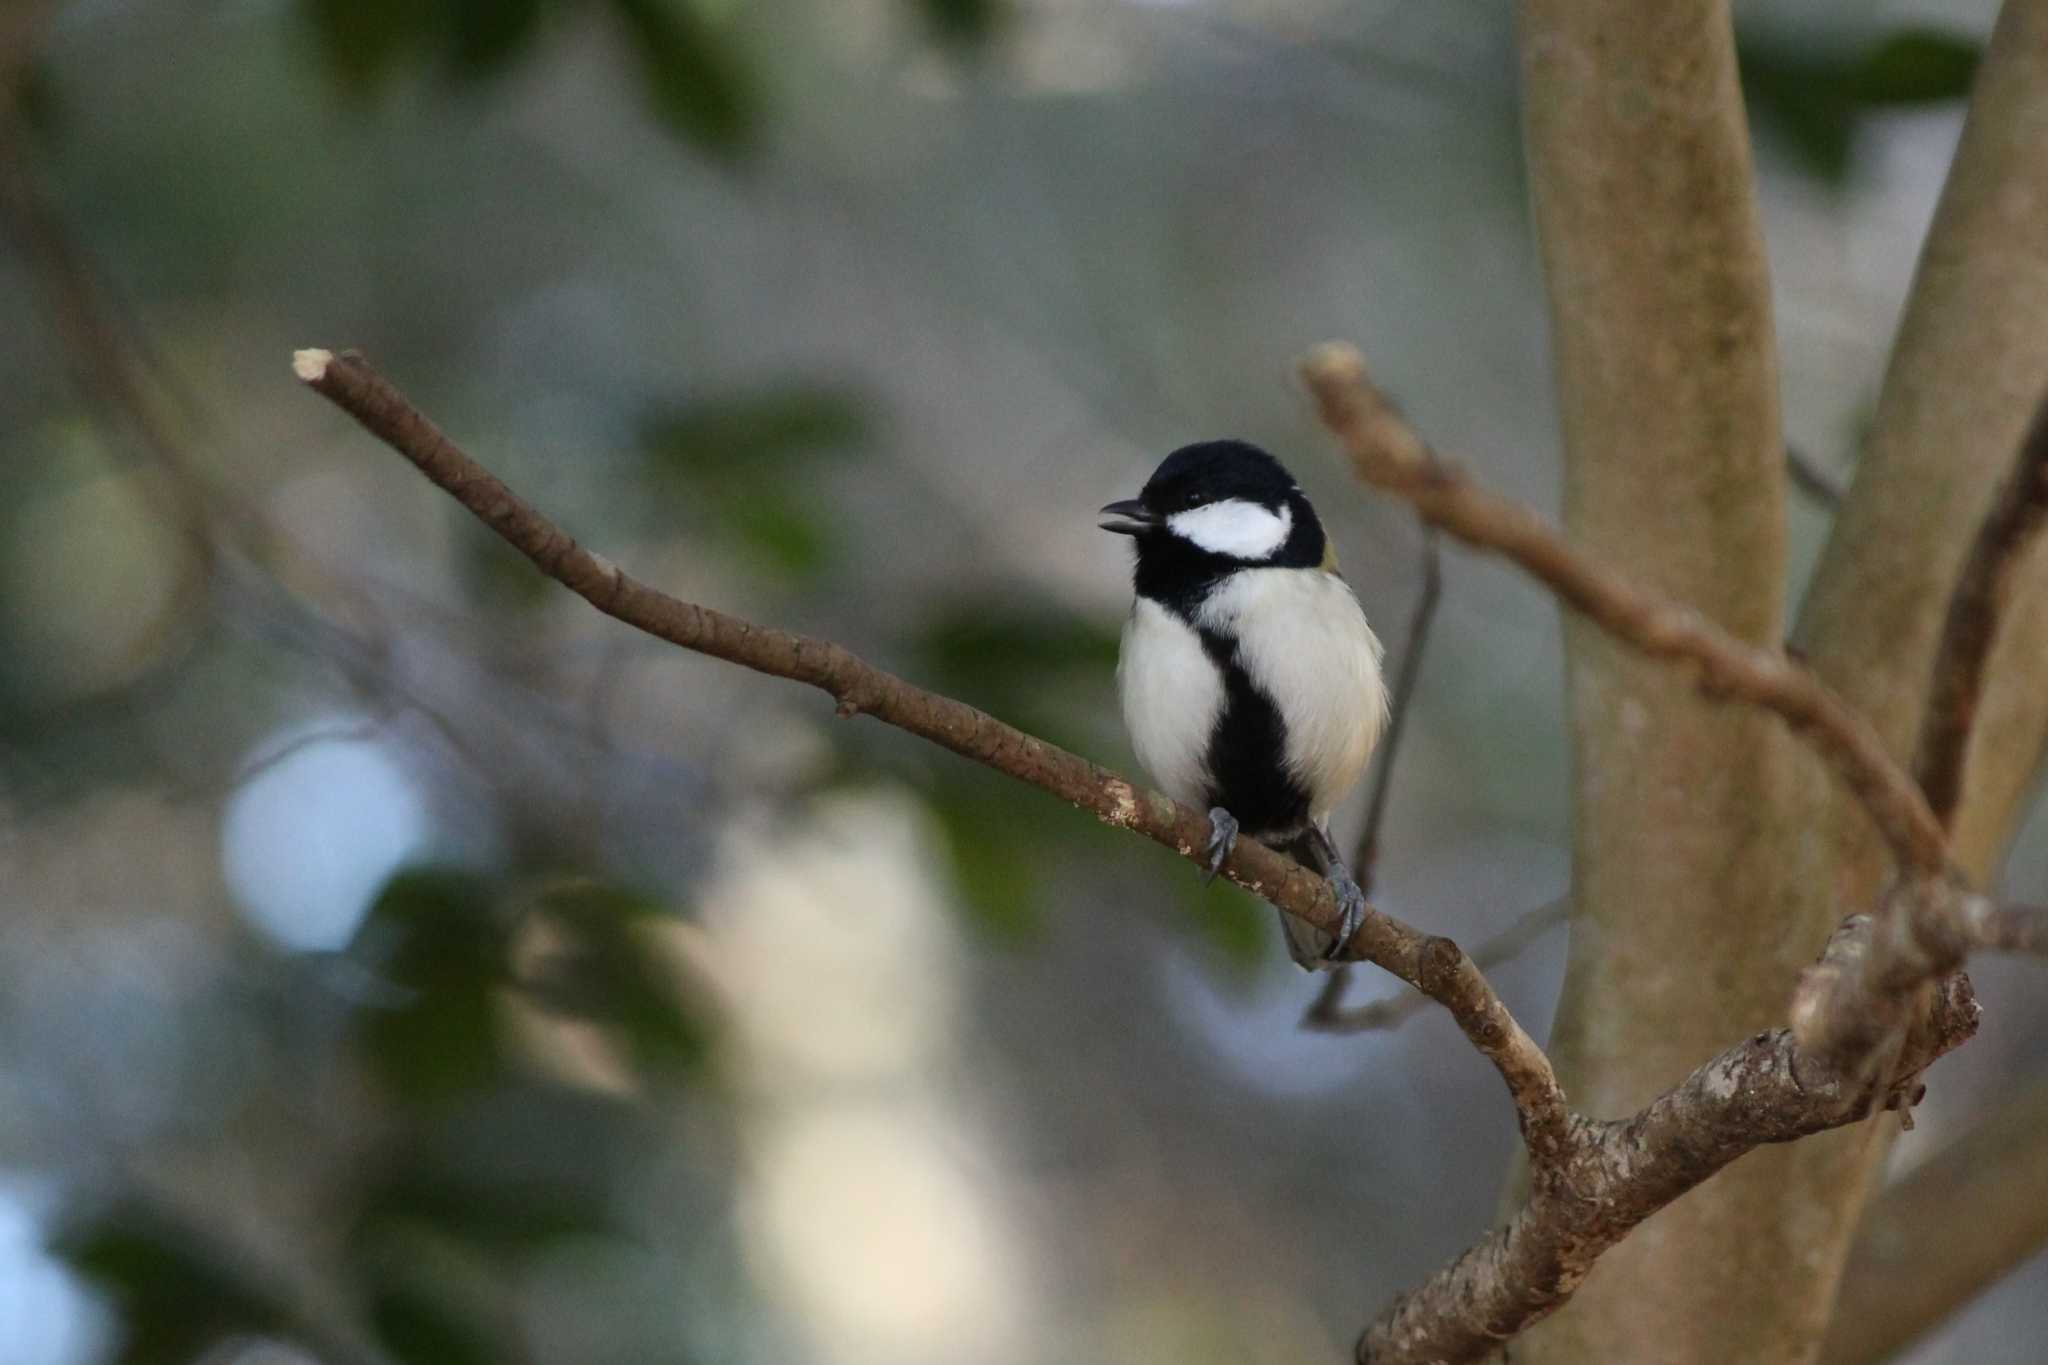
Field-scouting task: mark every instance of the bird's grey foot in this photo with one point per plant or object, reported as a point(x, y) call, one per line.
point(1222, 838)
point(1350, 911)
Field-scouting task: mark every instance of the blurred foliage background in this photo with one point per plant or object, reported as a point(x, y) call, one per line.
point(400, 963)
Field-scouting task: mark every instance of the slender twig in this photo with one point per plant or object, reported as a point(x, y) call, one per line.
point(1971, 625)
point(1387, 453)
point(1433, 965)
point(1390, 1012)
point(1365, 862)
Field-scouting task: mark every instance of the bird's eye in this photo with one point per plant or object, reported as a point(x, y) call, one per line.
point(1191, 500)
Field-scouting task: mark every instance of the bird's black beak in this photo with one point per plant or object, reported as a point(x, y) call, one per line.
point(1127, 518)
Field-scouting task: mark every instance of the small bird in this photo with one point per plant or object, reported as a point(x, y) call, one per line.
point(1250, 680)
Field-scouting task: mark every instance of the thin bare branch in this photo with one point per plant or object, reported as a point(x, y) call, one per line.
point(1387, 453)
point(1365, 862)
point(1971, 625)
point(1395, 1010)
point(1436, 966)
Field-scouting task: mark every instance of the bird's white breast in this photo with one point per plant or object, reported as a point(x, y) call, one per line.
point(1171, 694)
point(1304, 642)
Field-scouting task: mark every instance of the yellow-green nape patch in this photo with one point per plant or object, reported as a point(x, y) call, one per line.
point(1329, 564)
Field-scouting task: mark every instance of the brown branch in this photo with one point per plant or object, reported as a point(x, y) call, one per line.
point(1365, 862)
point(1971, 626)
point(1952, 1227)
point(1436, 966)
point(1623, 1171)
point(1387, 453)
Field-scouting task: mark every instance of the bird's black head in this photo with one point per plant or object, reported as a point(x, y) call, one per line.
point(1212, 508)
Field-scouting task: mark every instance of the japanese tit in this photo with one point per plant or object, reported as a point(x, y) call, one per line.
point(1250, 680)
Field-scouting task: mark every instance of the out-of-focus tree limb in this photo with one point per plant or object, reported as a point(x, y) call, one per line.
point(1970, 626)
point(1944, 1233)
point(1387, 453)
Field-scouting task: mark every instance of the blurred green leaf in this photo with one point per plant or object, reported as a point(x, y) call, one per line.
point(963, 23)
point(609, 972)
point(738, 460)
point(702, 88)
point(1917, 66)
point(174, 1301)
point(485, 36)
point(1236, 925)
point(422, 1330)
point(41, 103)
point(496, 1215)
point(766, 432)
point(782, 533)
point(363, 41)
point(439, 938)
point(1024, 661)
point(997, 868)
point(492, 572)
point(1814, 98)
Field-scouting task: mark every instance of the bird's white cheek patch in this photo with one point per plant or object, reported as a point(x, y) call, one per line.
point(1234, 527)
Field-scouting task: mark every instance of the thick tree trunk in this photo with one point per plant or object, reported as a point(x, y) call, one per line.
point(1699, 891)
point(1969, 367)
point(1711, 860)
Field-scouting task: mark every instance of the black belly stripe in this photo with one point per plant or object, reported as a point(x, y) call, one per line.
point(1247, 755)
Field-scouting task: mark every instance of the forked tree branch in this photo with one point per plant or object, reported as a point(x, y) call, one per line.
point(1388, 453)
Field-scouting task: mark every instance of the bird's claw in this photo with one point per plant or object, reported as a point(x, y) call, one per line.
point(1222, 838)
point(1350, 913)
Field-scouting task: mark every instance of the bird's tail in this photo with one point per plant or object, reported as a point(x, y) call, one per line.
point(1306, 944)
